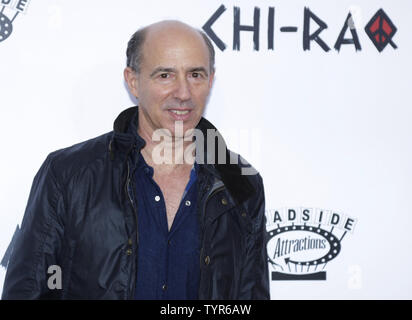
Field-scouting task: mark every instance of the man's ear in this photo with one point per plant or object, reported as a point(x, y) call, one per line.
point(130, 76)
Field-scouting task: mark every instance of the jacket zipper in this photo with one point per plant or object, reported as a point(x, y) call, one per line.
point(212, 192)
point(216, 188)
point(131, 201)
point(127, 187)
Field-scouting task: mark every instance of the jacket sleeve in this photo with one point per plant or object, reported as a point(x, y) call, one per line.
point(39, 240)
point(255, 278)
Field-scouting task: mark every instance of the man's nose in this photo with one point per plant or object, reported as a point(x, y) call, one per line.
point(182, 90)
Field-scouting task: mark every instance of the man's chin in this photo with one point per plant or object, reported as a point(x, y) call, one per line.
point(178, 129)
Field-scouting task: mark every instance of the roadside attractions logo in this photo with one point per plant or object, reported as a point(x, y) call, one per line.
point(9, 10)
point(302, 241)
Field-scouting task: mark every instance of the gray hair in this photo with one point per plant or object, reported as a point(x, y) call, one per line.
point(134, 52)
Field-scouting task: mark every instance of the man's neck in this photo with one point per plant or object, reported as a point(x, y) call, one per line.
point(168, 154)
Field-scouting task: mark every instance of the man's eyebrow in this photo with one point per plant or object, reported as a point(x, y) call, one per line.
point(162, 69)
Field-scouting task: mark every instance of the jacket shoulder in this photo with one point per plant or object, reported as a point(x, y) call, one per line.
point(67, 161)
point(241, 179)
point(247, 170)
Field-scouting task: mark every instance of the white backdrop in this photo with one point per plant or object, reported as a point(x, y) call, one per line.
point(327, 130)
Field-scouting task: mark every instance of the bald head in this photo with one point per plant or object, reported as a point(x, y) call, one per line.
point(165, 32)
point(170, 26)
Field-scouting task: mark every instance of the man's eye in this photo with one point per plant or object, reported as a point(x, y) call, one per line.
point(197, 75)
point(164, 75)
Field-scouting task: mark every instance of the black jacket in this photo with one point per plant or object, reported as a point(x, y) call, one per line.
point(81, 216)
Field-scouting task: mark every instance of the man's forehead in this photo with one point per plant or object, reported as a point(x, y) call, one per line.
point(167, 33)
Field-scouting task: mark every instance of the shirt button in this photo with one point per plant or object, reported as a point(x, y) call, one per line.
point(224, 201)
point(207, 260)
point(164, 287)
point(157, 198)
point(188, 203)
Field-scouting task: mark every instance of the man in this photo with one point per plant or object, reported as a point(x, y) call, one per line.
point(121, 224)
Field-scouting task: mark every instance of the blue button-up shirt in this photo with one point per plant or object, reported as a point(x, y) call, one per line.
point(168, 261)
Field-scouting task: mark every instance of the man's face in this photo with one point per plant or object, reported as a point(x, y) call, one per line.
point(174, 79)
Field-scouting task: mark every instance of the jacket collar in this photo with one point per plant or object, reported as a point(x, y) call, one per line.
point(125, 138)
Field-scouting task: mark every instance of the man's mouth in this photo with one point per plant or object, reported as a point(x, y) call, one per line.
point(180, 112)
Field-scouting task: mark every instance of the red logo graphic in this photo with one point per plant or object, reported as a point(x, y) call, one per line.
point(381, 30)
